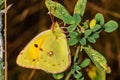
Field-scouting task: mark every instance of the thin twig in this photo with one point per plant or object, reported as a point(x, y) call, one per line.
point(5, 37)
point(76, 54)
point(31, 74)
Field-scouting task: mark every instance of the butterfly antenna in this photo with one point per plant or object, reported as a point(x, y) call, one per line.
point(51, 17)
point(65, 31)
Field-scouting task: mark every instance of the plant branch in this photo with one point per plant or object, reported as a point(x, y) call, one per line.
point(5, 39)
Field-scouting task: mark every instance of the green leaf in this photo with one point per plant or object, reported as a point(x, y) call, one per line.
point(98, 59)
point(85, 63)
point(99, 18)
point(83, 41)
point(87, 32)
point(68, 19)
point(110, 26)
point(77, 18)
point(81, 78)
point(59, 11)
point(80, 7)
point(73, 34)
point(97, 27)
point(72, 41)
point(72, 70)
point(76, 67)
point(91, 39)
point(58, 76)
point(95, 35)
point(77, 75)
point(72, 27)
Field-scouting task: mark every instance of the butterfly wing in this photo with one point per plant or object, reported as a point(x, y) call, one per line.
point(47, 51)
point(29, 56)
point(54, 57)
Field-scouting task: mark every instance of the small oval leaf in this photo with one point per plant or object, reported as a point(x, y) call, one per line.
point(91, 39)
point(85, 63)
point(72, 41)
point(87, 32)
point(110, 26)
point(83, 41)
point(58, 76)
point(72, 27)
point(95, 35)
point(99, 18)
point(73, 34)
point(96, 28)
point(92, 23)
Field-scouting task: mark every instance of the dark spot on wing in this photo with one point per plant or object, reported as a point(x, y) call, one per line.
point(33, 60)
point(41, 49)
point(36, 45)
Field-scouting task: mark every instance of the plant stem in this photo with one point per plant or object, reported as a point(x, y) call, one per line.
point(68, 75)
point(74, 60)
point(76, 54)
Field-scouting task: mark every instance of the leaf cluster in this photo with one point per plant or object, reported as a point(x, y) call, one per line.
point(90, 31)
point(83, 33)
point(76, 69)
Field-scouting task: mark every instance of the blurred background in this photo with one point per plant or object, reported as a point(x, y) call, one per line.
point(27, 18)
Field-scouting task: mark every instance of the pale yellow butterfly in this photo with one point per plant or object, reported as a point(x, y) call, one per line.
point(47, 51)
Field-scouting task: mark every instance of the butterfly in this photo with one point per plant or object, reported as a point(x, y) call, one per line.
point(48, 51)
